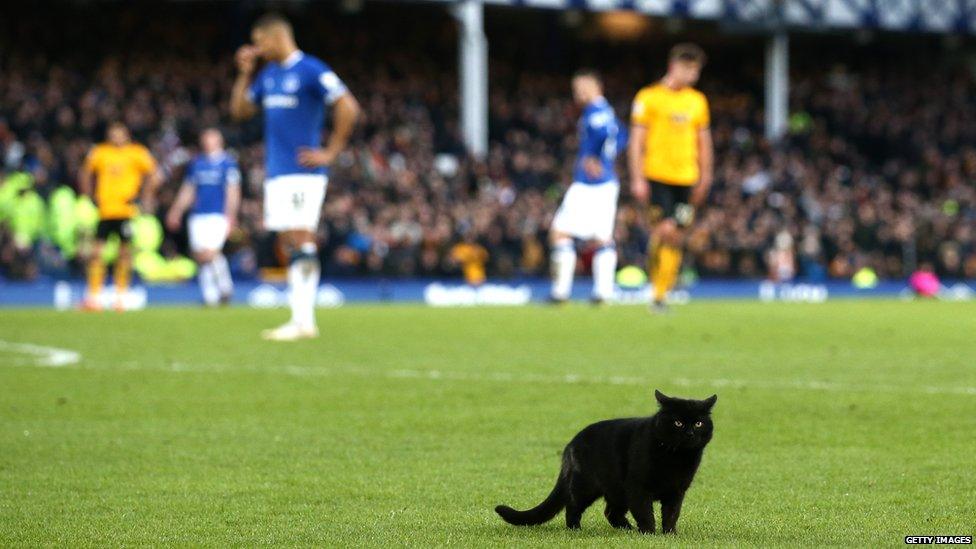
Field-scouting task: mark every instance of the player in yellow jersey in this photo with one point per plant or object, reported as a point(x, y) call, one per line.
point(670, 158)
point(114, 175)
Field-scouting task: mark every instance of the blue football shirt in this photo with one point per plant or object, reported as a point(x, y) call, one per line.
point(600, 136)
point(211, 175)
point(294, 95)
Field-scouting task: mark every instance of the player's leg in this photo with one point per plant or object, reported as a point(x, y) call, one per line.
point(206, 277)
point(605, 259)
point(221, 270)
point(666, 258)
point(562, 257)
point(293, 205)
point(562, 264)
point(197, 230)
point(669, 213)
point(225, 283)
point(604, 270)
point(95, 273)
point(304, 272)
point(122, 273)
point(207, 235)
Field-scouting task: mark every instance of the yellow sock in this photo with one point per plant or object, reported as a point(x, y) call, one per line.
point(666, 275)
point(653, 261)
point(96, 277)
point(122, 273)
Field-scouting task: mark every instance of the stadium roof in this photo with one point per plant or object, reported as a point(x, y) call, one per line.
point(937, 16)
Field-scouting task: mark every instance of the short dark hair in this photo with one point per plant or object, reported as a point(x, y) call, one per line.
point(588, 73)
point(687, 51)
point(272, 19)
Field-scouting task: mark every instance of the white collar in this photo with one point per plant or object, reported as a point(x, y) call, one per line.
point(290, 61)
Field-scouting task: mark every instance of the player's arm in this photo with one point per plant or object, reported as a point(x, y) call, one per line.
point(184, 198)
point(154, 179)
point(345, 112)
point(242, 106)
point(706, 167)
point(232, 198)
point(86, 178)
point(635, 162)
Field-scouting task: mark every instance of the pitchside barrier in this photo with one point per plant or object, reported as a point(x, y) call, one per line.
point(65, 295)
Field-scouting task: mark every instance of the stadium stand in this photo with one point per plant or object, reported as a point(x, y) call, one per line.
point(877, 170)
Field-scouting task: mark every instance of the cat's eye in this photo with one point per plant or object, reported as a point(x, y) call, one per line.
point(698, 424)
point(678, 423)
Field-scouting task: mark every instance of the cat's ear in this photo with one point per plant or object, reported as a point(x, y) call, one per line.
point(662, 398)
point(709, 402)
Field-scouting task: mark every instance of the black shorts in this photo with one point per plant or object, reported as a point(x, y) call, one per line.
point(108, 227)
point(671, 202)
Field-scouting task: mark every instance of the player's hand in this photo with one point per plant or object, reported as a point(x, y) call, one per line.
point(314, 158)
point(592, 167)
point(173, 222)
point(246, 58)
point(639, 189)
point(231, 225)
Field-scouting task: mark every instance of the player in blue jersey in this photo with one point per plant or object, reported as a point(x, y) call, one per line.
point(212, 191)
point(588, 210)
point(294, 90)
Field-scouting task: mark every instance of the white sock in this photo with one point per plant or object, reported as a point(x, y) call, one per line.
point(563, 266)
point(303, 285)
point(604, 271)
point(208, 284)
point(222, 273)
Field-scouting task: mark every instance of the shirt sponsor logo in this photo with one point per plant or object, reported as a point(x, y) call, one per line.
point(209, 177)
point(680, 117)
point(280, 101)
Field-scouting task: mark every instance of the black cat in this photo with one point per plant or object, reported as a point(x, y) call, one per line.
point(631, 463)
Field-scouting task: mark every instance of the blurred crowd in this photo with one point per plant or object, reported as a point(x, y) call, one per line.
point(877, 170)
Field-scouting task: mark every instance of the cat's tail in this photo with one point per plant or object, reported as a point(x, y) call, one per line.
point(541, 513)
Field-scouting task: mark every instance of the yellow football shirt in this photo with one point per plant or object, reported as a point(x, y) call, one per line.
point(118, 176)
point(673, 119)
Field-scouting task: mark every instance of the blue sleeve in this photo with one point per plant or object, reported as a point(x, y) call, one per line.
point(232, 174)
point(327, 85)
point(255, 91)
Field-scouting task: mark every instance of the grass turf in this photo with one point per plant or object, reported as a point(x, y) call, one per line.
point(848, 423)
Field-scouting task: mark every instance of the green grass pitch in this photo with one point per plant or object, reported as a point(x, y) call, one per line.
point(846, 423)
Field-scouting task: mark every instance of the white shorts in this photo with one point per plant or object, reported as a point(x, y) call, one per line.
point(294, 202)
point(207, 231)
point(588, 211)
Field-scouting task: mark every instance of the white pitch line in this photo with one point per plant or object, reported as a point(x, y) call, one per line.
point(51, 357)
point(571, 379)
